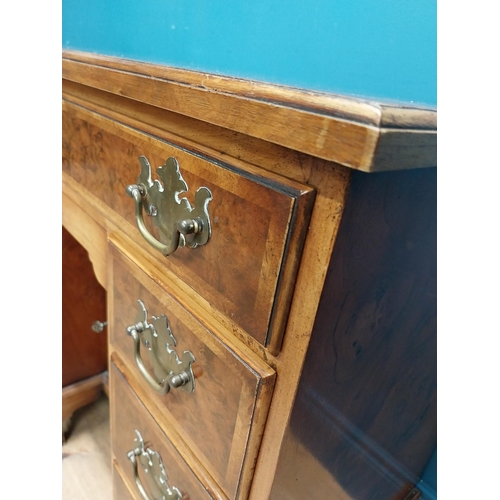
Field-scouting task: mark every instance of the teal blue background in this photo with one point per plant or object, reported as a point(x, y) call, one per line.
point(381, 49)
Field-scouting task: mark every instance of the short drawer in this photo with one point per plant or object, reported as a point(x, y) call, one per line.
point(258, 220)
point(136, 439)
point(222, 419)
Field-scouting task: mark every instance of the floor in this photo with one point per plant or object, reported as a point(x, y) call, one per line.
point(86, 454)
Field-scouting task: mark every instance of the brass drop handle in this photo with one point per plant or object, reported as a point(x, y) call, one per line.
point(162, 387)
point(155, 472)
point(132, 457)
point(185, 227)
point(177, 223)
point(157, 337)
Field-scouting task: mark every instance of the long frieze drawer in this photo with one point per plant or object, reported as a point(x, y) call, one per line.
point(252, 223)
point(144, 454)
point(216, 395)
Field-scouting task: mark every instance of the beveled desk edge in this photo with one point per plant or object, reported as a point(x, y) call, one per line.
point(361, 134)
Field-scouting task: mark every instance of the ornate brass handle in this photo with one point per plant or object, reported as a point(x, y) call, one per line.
point(178, 223)
point(157, 338)
point(155, 472)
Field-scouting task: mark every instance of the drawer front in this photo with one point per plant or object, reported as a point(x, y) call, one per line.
point(258, 220)
point(222, 419)
point(128, 418)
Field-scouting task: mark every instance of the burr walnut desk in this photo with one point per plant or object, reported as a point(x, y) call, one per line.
point(269, 260)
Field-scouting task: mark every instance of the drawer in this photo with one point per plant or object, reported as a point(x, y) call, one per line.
point(222, 419)
point(258, 220)
point(133, 428)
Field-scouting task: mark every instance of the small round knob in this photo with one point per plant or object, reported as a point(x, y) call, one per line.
point(178, 380)
point(98, 326)
point(190, 226)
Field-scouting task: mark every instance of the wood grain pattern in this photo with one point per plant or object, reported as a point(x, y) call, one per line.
point(255, 218)
point(327, 126)
point(302, 464)
point(211, 317)
point(386, 217)
point(90, 234)
point(129, 416)
point(81, 393)
point(189, 132)
point(408, 149)
point(331, 183)
point(366, 403)
point(120, 489)
point(84, 352)
point(361, 110)
point(223, 419)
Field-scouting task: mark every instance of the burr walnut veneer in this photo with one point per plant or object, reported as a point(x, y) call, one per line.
point(301, 335)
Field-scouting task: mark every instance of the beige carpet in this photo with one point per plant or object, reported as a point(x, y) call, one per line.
point(86, 455)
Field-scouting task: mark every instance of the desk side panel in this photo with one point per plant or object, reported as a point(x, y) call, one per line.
point(363, 425)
